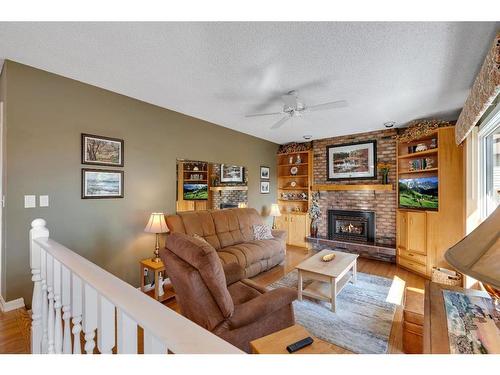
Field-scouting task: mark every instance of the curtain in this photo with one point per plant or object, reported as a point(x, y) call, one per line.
point(485, 89)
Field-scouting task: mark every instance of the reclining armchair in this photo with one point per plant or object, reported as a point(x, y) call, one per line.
point(217, 297)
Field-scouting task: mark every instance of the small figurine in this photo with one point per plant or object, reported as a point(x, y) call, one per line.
point(298, 160)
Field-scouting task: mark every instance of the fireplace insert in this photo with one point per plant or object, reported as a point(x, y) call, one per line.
point(357, 226)
point(228, 205)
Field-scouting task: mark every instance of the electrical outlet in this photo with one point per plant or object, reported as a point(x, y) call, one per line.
point(145, 271)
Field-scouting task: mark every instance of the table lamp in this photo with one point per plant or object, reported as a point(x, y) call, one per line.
point(275, 211)
point(478, 254)
point(157, 225)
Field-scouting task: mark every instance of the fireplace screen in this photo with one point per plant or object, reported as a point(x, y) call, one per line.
point(351, 225)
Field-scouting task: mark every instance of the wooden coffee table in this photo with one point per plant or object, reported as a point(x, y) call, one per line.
point(330, 277)
point(276, 343)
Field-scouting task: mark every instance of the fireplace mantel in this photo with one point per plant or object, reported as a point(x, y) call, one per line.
point(337, 187)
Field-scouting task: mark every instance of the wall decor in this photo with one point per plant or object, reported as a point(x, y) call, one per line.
point(264, 187)
point(231, 173)
point(99, 150)
point(420, 128)
point(352, 161)
point(102, 183)
point(294, 171)
point(264, 173)
point(294, 147)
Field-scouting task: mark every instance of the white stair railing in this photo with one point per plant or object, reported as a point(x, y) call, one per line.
point(72, 295)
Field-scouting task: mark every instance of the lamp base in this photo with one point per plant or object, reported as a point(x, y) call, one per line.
point(157, 258)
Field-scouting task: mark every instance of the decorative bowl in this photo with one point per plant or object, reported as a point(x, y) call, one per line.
point(328, 257)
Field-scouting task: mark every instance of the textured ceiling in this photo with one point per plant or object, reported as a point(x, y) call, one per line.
point(221, 71)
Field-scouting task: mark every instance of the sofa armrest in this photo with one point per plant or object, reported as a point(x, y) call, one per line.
point(261, 306)
point(233, 272)
point(278, 233)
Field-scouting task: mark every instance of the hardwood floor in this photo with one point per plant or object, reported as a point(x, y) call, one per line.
point(15, 325)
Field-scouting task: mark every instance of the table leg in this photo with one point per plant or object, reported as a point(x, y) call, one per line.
point(299, 286)
point(157, 289)
point(355, 272)
point(142, 276)
point(334, 293)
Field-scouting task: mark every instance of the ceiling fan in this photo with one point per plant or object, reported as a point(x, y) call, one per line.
point(293, 106)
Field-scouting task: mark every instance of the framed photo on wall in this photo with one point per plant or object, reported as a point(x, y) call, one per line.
point(101, 183)
point(231, 173)
point(352, 161)
point(99, 150)
point(265, 173)
point(264, 187)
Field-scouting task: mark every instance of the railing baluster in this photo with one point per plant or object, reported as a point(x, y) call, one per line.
point(126, 334)
point(106, 326)
point(45, 302)
point(89, 317)
point(152, 345)
point(50, 297)
point(76, 302)
point(57, 308)
point(36, 302)
point(66, 308)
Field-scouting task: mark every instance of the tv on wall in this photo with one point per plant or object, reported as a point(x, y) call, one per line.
point(195, 192)
point(418, 193)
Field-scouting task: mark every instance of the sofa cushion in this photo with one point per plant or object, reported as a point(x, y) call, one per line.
point(247, 217)
point(202, 224)
point(241, 292)
point(250, 252)
point(227, 227)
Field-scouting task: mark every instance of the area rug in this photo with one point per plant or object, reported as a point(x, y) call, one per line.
point(362, 321)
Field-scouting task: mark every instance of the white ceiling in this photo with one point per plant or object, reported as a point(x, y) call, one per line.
point(221, 71)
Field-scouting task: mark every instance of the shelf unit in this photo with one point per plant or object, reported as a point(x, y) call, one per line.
point(423, 235)
point(186, 173)
point(294, 218)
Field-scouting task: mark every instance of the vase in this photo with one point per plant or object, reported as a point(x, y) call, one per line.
point(314, 229)
point(385, 179)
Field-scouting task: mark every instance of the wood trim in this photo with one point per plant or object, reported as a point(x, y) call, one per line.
point(11, 305)
point(332, 187)
point(229, 188)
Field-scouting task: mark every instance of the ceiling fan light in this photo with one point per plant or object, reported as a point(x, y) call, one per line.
point(307, 137)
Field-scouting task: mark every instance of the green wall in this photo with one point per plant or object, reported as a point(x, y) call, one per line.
point(47, 113)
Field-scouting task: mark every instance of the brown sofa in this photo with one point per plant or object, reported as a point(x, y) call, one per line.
point(230, 232)
point(217, 297)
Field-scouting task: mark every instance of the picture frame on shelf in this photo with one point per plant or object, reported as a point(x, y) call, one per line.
point(231, 173)
point(102, 183)
point(265, 187)
point(265, 173)
point(100, 150)
point(352, 161)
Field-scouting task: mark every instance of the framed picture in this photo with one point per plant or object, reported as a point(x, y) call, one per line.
point(101, 183)
point(264, 187)
point(352, 161)
point(98, 150)
point(264, 173)
point(231, 173)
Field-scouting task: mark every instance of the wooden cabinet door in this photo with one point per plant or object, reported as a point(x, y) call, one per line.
point(417, 232)
point(402, 218)
point(282, 222)
point(297, 230)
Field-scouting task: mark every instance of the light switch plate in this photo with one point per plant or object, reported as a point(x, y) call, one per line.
point(44, 201)
point(29, 201)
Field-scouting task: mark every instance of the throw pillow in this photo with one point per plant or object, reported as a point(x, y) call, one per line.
point(262, 232)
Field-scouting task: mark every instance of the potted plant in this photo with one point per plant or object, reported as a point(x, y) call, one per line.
point(314, 214)
point(384, 169)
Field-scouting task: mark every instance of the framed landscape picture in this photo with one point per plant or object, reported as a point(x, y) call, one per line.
point(231, 173)
point(98, 150)
point(352, 161)
point(264, 187)
point(101, 183)
point(264, 173)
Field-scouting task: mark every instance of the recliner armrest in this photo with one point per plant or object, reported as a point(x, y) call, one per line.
point(261, 306)
point(233, 272)
point(278, 233)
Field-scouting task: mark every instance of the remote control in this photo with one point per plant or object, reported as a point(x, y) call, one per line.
point(299, 344)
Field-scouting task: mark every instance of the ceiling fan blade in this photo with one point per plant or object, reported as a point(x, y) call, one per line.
point(329, 105)
point(264, 114)
point(281, 122)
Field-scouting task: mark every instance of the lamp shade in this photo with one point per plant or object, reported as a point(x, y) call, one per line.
point(156, 223)
point(478, 254)
point(275, 210)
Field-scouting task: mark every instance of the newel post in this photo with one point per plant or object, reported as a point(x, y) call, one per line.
point(38, 230)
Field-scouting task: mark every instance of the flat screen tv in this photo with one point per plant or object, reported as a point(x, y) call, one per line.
point(194, 192)
point(418, 193)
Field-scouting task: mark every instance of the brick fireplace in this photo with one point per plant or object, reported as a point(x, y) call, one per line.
point(381, 203)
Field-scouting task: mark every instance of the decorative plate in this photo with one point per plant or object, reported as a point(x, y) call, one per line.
point(293, 184)
point(293, 171)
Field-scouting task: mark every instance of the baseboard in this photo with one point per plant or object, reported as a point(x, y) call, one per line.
point(11, 305)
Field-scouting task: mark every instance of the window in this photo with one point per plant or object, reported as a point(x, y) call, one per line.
point(489, 158)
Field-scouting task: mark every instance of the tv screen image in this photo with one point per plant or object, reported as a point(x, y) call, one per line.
point(195, 192)
point(419, 193)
